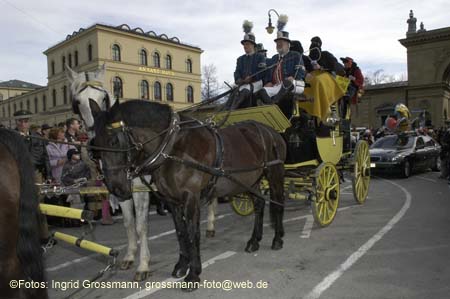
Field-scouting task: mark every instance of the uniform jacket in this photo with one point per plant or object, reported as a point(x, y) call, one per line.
point(39, 156)
point(248, 65)
point(291, 66)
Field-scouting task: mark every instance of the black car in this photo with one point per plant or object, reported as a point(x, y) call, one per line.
point(405, 153)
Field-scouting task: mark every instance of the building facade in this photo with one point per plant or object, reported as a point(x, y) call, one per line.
point(139, 65)
point(427, 91)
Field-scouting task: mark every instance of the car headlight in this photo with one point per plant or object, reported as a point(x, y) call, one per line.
point(397, 158)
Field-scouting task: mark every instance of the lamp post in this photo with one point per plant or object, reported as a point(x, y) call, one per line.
point(269, 27)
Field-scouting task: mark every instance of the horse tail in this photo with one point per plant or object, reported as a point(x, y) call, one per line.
point(28, 244)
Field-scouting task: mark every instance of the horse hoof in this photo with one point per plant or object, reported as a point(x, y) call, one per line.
point(252, 247)
point(179, 272)
point(192, 283)
point(210, 233)
point(125, 265)
point(277, 244)
point(141, 276)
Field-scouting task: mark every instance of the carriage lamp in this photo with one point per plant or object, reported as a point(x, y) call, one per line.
point(269, 27)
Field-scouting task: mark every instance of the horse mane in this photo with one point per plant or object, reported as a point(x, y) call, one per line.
point(28, 244)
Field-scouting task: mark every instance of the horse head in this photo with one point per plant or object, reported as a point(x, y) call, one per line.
point(86, 86)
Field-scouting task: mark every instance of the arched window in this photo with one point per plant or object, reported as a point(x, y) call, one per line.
point(53, 67)
point(64, 63)
point(156, 62)
point(189, 66)
point(70, 60)
point(28, 105)
point(54, 97)
point(143, 57)
point(89, 52)
point(65, 94)
point(169, 92)
point(117, 87)
point(44, 103)
point(157, 90)
point(144, 90)
point(35, 105)
point(168, 62)
point(190, 94)
point(76, 58)
point(116, 52)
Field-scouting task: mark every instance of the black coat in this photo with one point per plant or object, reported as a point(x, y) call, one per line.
point(73, 171)
point(327, 61)
point(39, 156)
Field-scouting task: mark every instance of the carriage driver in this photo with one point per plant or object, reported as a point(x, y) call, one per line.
point(287, 74)
point(247, 68)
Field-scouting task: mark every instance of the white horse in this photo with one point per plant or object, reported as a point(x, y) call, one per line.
point(85, 86)
point(89, 85)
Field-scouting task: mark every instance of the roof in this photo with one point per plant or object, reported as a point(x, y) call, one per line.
point(426, 36)
point(125, 28)
point(18, 84)
point(387, 85)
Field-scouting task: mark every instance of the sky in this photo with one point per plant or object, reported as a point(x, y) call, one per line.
point(367, 31)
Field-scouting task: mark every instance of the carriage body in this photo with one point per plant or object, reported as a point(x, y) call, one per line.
point(318, 154)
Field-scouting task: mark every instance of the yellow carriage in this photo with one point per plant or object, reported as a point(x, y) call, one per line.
point(319, 150)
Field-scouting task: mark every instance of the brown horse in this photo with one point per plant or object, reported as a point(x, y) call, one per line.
point(20, 250)
point(180, 162)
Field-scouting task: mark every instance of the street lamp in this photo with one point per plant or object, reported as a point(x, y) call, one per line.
point(269, 27)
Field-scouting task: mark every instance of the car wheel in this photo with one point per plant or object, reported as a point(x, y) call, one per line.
point(437, 164)
point(406, 171)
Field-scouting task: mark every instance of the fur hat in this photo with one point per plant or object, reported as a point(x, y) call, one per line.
point(249, 35)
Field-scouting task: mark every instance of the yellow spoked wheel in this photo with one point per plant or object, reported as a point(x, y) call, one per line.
point(242, 204)
point(326, 201)
point(361, 175)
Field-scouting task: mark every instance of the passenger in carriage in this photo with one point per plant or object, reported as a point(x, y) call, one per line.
point(247, 67)
point(324, 60)
point(286, 75)
point(353, 72)
point(297, 47)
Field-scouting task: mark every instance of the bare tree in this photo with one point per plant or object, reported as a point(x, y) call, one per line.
point(210, 84)
point(379, 77)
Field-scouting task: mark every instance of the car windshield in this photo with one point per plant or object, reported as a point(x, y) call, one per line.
point(394, 142)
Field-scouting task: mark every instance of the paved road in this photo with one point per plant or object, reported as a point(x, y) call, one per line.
point(397, 245)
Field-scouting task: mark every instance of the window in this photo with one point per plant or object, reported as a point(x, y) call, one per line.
point(28, 104)
point(189, 66)
point(117, 88)
point(143, 57)
point(116, 52)
point(1, 97)
point(169, 92)
point(64, 63)
point(89, 52)
point(3, 111)
point(65, 94)
point(15, 107)
point(53, 67)
point(156, 62)
point(157, 91)
point(190, 94)
point(420, 143)
point(70, 60)
point(9, 111)
point(54, 97)
point(44, 103)
point(21, 105)
point(144, 89)
point(35, 105)
point(168, 62)
point(76, 58)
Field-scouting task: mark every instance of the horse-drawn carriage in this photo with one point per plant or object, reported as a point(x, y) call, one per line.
point(317, 153)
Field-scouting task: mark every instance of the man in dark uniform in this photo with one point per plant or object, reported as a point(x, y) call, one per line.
point(324, 60)
point(247, 67)
point(286, 76)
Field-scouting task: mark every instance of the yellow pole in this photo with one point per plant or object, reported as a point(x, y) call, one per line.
point(65, 212)
point(85, 244)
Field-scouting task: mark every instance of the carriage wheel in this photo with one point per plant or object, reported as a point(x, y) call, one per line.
point(361, 175)
point(242, 204)
point(326, 202)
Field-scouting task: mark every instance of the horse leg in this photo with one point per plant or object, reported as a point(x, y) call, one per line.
point(130, 226)
point(253, 243)
point(182, 266)
point(141, 206)
point(212, 209)
point(192, 216)
point(275, 177)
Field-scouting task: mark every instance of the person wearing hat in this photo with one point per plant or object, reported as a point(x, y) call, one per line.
point(353, 72)
point(324, 60)
point(45, 129)
point(247, 67)
point(287, 68)
point(297, 47)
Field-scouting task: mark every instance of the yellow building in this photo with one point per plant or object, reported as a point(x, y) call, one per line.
point(139, 65)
